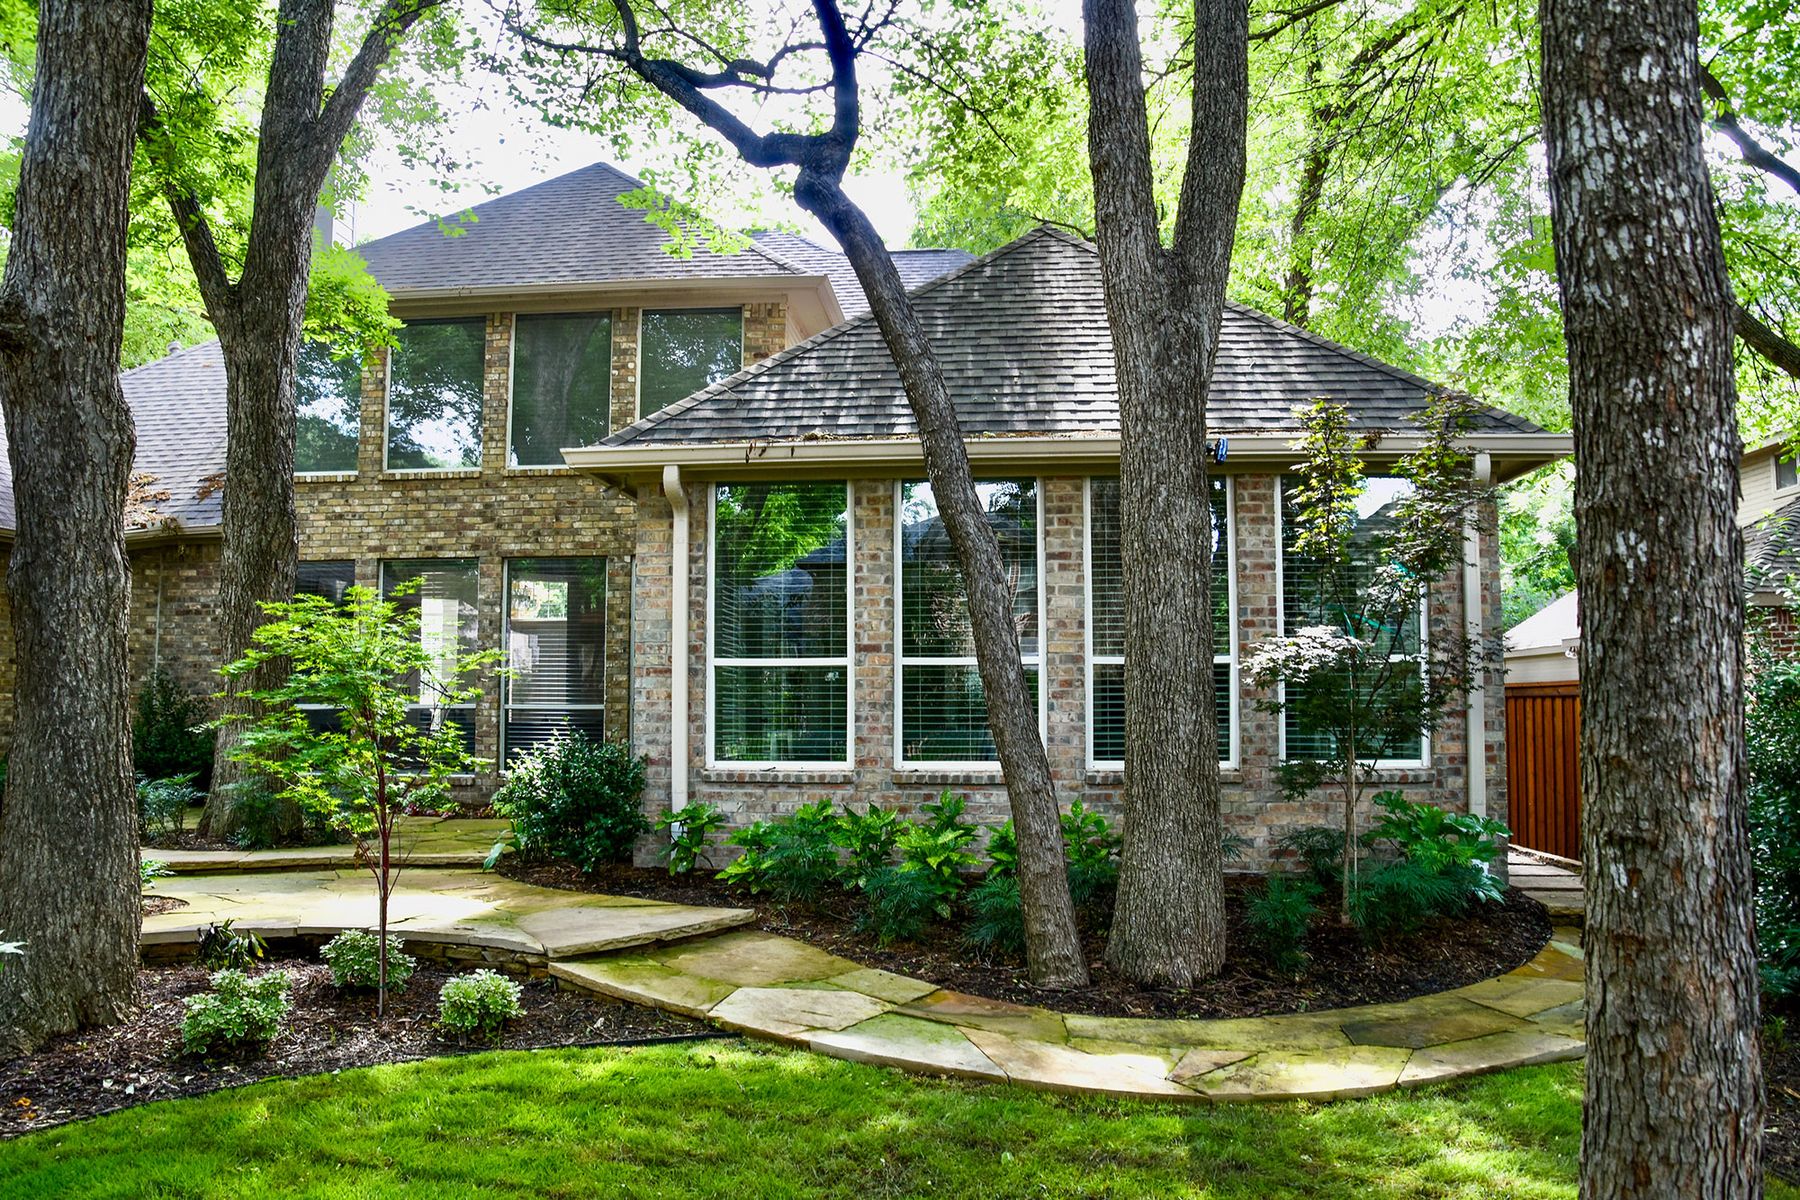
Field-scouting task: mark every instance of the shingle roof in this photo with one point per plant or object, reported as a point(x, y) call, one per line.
point(1772, 549)
point(1023, 338)
point(571, 229)
point(916, 267)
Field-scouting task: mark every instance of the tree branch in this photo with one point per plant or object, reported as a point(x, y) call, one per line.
point(1765, 341)
point(1752, 151)
point(333, 123)
point(216, 289)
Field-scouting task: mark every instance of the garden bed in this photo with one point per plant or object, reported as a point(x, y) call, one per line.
point(1491, 940)
point(139, 1061)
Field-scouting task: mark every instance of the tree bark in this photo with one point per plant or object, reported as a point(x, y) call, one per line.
point(1674, 1102)
point(1164, 307)
point(68, 833)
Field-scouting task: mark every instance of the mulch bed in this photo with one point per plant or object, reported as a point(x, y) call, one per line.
point(87, 1074)
point(1492, 940)
point(1781, 1076)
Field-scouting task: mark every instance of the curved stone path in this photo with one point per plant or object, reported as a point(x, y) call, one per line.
point(696, 962)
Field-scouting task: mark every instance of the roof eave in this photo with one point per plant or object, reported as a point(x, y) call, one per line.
point(417, 301)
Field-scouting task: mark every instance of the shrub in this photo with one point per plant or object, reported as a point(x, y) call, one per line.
point(749, 868)
point(1772, 744)
point(900, 902)
point(1093, 852)
point(1279, 918)
point(354, 957)
point(221, 946)
point(945, 815)
point(163, 804)
point(996, 918)
point(577, 799)
point(149, 871)
point(1322, 850)
point(868, 839)
point(690, 831)
point(479, 1004)
point(1395, 899)
point(264, 818)
point(802, 857)
point(170, 736)
point(1455, 846)
point(1003, 850)
point(240, 1013)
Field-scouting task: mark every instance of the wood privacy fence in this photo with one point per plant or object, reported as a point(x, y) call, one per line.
point(1543, 775)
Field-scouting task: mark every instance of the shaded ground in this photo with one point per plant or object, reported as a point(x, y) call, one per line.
point(328, 1030)
point(1343, 971)
point(1781, 1076)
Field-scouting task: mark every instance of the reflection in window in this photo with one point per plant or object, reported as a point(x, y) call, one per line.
point(449, 627)
point(943, 712)
point(434, 396)
point(682, 350)
point(328, 400)
point(780, 624)
point(562, 386)
point(556, 648)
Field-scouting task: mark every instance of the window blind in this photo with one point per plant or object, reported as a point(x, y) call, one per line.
point(562, 386)
point(556, 649)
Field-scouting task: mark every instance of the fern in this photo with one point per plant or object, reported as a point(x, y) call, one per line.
point(996, 918)
point(1280, 918)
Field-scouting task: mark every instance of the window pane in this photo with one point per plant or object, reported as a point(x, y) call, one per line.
point(1787, 474)
point(562, 386)
point(934, 612)
point(556, 647)
point(1106, 572)
point(943, 714)
point(449, 625)
point(330, 579)
point(1306, 598)
point(1306, 740)
point(780, 714)
point(434, 396)
point(778, 570)
point(683, 350)
point(328, 397)
point(1108, 715)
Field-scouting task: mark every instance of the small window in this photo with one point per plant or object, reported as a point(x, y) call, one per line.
point(330, 578)
point(328, 400)
point(449, 627)
point(682, 350)
point(434, 396)
point(556, 648)
point(562, 386)
point(1787, 473)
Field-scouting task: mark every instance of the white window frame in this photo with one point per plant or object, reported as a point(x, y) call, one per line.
point(387, 405)
point(356, 464)
point(637, 399)
point(847, 661)
point(506, 704)
point(512, 375)
point(1230, 658)
point(1381, 764)
point(902, 660)
point(472, 707)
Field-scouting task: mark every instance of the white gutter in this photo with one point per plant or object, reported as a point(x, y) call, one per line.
point(1473, 621)
point(678, 639)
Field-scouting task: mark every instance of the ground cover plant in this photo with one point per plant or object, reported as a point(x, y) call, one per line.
point(354, 957)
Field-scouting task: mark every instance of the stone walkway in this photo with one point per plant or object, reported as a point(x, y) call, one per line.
point(419, 841)
point(1556, 887)
point(695, 962)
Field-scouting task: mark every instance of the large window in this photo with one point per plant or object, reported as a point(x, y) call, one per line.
point(449, 627)
point(780, 625)
point(681, 350)
point(1306, 600)
point(332, 579)
point(434, 396)
point(328, 397)
point(562, 386)
point(943, 712)
point(1106, 624)
point(556, 647)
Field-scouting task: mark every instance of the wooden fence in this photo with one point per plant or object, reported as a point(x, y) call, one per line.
point(1543, 775)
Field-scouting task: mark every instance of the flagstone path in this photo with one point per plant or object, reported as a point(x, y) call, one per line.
point(1555, 886)
point(695, 962)
point(422, 841)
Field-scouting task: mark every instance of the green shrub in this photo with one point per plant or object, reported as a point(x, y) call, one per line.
point(1279, 918)
point(868, 839)
point(900, 902)
point(1003, 850)
point(576, 799)
point(170, 736)
point(1321, 848)
point(1395, 899)
point(690, 831)
point(354, 957)
point(479, 1004)
point(264, 818)
point(1093, 852)
point(802, 858)
point(749, 868)
point(1455, 846)
point(163, 804)
point(240, 1013)
point(221, 946)
point(1772, 744)
point(945, 815)
point(149, 871)
point(996, 918)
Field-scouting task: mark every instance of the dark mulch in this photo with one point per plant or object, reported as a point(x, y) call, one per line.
point(87, 1074)
point(1492, 940)
point(1781, 1075)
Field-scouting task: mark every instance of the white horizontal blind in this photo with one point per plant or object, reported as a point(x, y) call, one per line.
point(434, 395)
point(562, 385)
point(449, 626)
point(555, 641)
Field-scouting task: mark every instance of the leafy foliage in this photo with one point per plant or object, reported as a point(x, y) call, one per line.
point(1395, 899)
point(801, 861)
point(1280, 917)
point(1003, 850)
point(163, 804)
point(899, 903)
point(170, 735)
point(690, 831)
point(221, 946)
point(479, 1004)
point(1457, 846)
point(996, 925)
point(354, 957)
point(576, 799)
point(1772, 743)
point(241, 1013)
point(749, 869)
point(1093, 853)
point(1320, 848)
point(149, 871)
point(869, 839)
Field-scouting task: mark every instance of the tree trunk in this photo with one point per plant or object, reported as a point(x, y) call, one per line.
point(68, 834)
point(1164, 307)
point(1053, 948)
point(1674, 1091)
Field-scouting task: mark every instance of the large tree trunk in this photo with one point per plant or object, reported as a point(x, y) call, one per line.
point(68, 834)
point(1164, 307)
point(1674, 1092)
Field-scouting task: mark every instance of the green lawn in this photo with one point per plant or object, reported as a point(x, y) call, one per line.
point(745, 1122)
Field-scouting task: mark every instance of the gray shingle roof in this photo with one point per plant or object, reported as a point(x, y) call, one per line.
point(1023, 337)
point(1772, 549)
point(916, 267)
point(570, 229)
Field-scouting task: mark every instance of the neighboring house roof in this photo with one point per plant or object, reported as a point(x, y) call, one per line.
point(1772, 549)
point(916, 267)
point(1023, 338)
point(1552, 627)
point(567, 230)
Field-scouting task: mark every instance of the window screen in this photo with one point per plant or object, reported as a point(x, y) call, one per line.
point(328, 397)
point(434, 396)
point(682, 350)
point(780, 625)
point(449, 626)
point(556, 647)
point(562, 386)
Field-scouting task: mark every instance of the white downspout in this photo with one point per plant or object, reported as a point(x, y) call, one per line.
point(1473, 622)
point(678, 640)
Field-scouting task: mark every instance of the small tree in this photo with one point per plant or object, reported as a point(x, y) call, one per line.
point(366, 660)
point(1360, 672)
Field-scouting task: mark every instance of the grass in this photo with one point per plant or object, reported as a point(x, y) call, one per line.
point(746, 1122)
